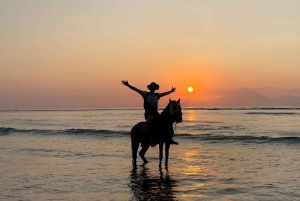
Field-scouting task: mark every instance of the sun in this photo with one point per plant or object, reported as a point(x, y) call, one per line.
point(190, 89)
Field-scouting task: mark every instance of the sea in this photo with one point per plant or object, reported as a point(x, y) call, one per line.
point(225, 153)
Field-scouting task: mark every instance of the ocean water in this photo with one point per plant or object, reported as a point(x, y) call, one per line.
point(224, 154)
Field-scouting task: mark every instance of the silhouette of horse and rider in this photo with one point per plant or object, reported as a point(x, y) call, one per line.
point(158, 128)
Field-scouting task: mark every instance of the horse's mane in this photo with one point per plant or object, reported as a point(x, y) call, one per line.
point(166, 110)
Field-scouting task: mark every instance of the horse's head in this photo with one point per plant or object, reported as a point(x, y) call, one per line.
point(175, 110)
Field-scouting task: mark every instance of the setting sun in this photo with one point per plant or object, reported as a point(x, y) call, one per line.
point(190, 89)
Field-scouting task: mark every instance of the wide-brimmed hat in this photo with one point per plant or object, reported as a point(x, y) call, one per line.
point(153, 84)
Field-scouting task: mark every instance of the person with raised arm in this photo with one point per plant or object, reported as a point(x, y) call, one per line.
point(150, 105)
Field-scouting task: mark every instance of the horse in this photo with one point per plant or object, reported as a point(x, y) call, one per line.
point(161, 130)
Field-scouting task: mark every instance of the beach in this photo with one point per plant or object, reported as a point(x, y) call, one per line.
point(224, 154)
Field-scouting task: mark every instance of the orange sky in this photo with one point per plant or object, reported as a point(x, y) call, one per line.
point(74, 54)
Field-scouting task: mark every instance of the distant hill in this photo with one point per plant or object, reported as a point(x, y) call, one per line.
point(244, 97)
point(287, 100)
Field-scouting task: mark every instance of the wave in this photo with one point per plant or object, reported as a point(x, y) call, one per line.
point(85, 132)
point(241, 138)
point(109, 133)
point(274, 113)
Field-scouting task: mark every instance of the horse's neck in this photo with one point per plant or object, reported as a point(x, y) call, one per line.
point(165, 115)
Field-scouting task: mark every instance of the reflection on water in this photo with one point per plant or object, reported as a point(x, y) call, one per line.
point(149, 186)
point(190, 155)
point(192, 170)
point(191, 115)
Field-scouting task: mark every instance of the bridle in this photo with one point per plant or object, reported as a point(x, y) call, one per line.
point(175, 108)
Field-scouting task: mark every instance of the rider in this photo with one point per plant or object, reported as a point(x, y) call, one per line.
point(150, 105)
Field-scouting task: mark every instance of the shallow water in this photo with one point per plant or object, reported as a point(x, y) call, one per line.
point(224, 154)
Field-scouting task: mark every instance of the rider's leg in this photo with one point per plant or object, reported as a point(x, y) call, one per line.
point(145, 128)
point(150, 120)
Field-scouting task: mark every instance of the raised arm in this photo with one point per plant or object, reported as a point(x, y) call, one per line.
point(168, 92)
point(125, 82)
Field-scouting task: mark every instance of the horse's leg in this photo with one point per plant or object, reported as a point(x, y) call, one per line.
point(161, 147)
point(143, 151)
point(167, 154)
point(134, 148)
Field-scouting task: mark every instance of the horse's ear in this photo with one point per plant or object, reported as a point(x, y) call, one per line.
point(178, 100)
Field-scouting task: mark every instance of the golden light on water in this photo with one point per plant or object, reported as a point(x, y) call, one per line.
point(192, 170)
point(191, 153)
point(189, 156)
point(191, 115)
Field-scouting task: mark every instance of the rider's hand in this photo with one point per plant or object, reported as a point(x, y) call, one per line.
point(125, 82)
point(173, 89)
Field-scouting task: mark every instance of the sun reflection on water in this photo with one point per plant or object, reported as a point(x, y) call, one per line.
point(191, 115)
point(189, 170)
point(190, 157)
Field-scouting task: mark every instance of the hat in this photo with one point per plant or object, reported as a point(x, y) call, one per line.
point(153, 84)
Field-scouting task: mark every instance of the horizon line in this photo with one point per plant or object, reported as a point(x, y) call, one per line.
point(160, 108)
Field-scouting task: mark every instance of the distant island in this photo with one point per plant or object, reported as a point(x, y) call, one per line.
point(244, 97)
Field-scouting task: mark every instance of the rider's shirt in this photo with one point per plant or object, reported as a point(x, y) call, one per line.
point(150, 102)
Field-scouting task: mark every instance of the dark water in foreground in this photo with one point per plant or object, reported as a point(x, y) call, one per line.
point(224, 154)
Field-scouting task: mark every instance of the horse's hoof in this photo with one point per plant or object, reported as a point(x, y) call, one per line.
point(153, 145)
point(143, 157)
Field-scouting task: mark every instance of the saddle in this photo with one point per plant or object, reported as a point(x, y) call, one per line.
point(145, 128)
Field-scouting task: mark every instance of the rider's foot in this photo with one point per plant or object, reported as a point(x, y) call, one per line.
point(173, 142)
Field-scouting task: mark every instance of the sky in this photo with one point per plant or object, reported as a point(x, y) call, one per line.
point(63, 54)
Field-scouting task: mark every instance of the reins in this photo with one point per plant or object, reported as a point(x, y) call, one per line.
point(175, 128)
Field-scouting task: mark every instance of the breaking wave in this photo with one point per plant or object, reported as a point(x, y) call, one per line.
point(86, 132)
point(274, 113)
point(241, 138)
point(109, 133)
